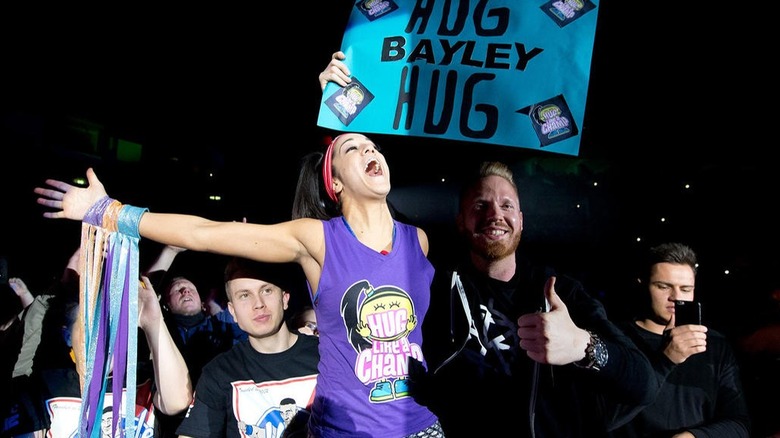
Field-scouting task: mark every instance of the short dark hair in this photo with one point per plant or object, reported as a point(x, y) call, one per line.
point(287, 276)
point(670, 252)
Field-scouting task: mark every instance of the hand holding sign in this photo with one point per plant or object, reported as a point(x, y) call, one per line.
point(513, 73)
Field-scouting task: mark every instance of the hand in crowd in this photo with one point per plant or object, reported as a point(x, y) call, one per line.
point(684, 341)
point(336, 71)
point(547, 337)
point(149, 311)
point(22, 291)
point(212, 304)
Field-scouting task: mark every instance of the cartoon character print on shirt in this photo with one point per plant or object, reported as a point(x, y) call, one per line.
point(271, 424)
point(378, 323)
point(269, 409)
point(65, 413)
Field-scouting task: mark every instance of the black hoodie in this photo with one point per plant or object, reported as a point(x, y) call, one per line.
point(492, 388)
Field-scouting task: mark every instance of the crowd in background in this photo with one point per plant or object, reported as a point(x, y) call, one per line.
point(757, 345)
point(745, 305)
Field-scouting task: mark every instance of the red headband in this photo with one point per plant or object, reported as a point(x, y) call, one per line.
point(327, 171)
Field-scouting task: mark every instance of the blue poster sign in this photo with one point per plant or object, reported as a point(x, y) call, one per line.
point(506, 72)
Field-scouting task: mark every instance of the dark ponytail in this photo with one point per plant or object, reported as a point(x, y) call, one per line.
point(311, 200)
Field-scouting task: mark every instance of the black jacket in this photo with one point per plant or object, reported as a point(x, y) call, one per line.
point(493, 387)
point(703, 395)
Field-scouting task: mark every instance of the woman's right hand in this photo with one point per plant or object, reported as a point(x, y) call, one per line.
point(336, 71)
point(70, 201)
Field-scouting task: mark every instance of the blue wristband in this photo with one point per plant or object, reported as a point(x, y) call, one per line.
point(129, 219)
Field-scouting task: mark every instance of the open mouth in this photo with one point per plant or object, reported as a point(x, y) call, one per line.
point(493, 232)
point(374, 167)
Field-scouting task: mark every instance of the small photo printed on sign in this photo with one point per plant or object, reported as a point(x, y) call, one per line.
point(552, 120)
point(374, 9)
point(566, 11)
point(347, 102)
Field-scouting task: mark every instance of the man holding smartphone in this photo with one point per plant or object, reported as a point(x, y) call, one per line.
point(701, 391)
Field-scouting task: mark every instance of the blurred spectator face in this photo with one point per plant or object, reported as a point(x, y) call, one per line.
point(309, 320)
point(183, 297)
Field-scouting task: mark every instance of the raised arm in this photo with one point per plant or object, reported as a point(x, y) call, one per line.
point(22, 291)
point(171, 375)
point(165, 259)
point(298, 241)
point(158, 270)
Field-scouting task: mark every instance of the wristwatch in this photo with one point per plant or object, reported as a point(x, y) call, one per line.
point(596, 354)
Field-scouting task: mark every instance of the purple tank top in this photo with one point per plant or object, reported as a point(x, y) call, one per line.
point(369, 309)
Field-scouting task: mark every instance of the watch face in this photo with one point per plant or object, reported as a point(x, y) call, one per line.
point(600, 354)
point(596, 354)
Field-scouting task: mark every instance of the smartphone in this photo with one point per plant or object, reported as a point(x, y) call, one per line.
point(687, 312)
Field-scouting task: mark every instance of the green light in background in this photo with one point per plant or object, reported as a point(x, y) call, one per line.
point(128, 150)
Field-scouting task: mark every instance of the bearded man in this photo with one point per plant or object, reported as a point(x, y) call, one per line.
point(512, 346)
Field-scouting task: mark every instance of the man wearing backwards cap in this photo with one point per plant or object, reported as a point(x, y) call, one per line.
point(240, 391)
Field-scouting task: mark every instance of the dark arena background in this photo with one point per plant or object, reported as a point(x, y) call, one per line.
point(209, 112)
